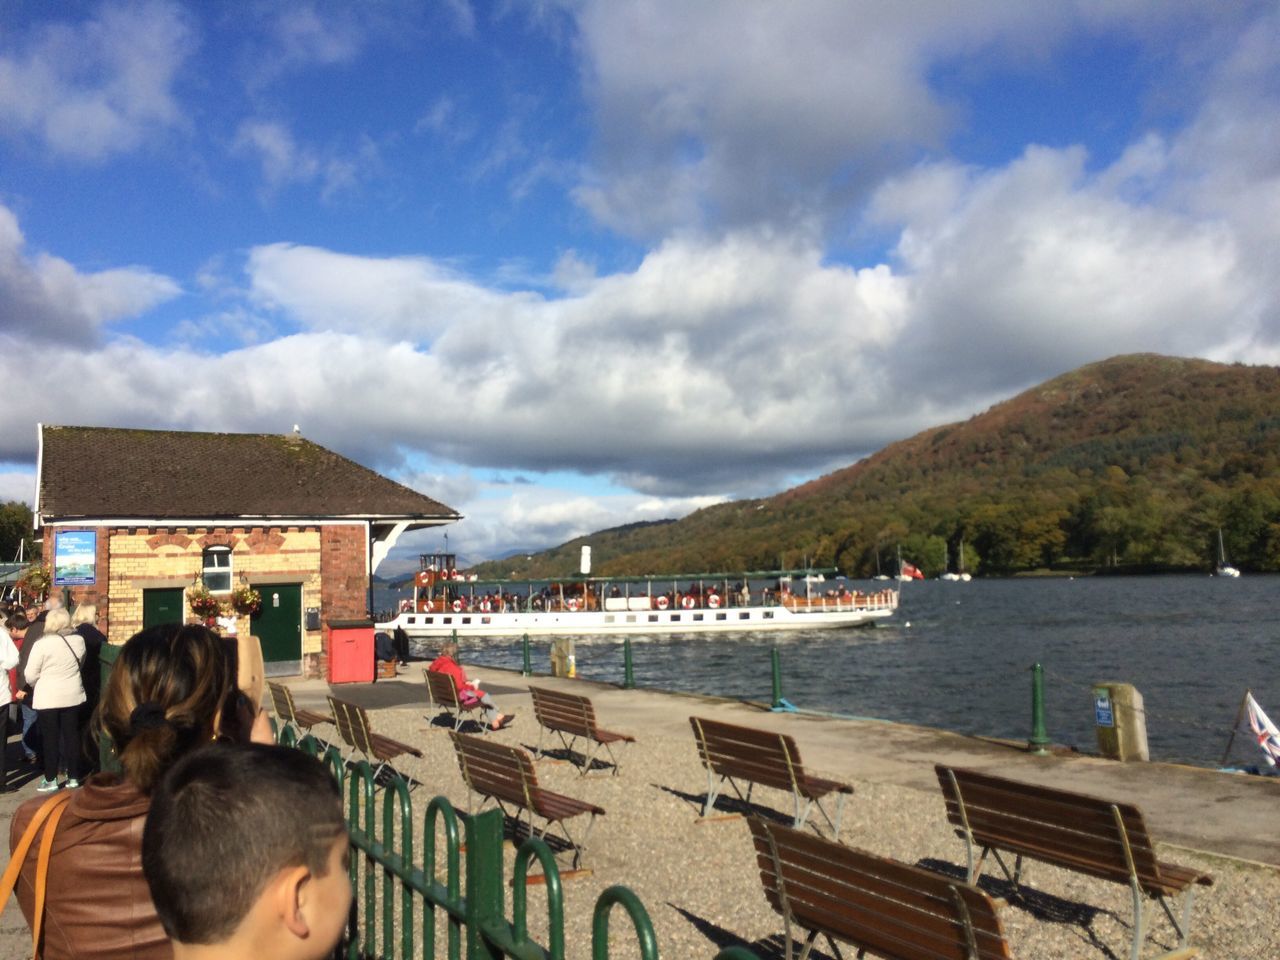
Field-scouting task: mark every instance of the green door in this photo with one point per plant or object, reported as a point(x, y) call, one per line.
point(279, 626)
point(162, 606)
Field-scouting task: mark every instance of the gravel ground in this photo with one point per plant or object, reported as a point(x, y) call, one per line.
point(698, 879)
point(699, 883)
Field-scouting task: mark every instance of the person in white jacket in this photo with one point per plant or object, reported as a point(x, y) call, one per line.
point(8, 660)
point(53, 668)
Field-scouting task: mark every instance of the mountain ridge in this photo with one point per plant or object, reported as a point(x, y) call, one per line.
point(1129, 463)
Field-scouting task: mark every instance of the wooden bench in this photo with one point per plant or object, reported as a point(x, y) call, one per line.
point(736, 753)
point(1070, 830)
point(571, 717)
point(282, 703)
point(353, 726)
point(443, 697)
point(880, 906)
point(506, 774)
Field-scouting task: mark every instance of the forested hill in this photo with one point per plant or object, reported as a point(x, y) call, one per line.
point(1133, 464)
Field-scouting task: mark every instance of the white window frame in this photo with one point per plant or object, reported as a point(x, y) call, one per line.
point(216, 570)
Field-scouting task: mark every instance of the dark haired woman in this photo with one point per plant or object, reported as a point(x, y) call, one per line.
point(171, 690)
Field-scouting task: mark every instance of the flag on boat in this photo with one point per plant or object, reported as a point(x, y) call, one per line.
point(912, 571)
point(1262, 727)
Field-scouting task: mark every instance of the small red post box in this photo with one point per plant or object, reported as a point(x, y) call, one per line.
point(351, 651)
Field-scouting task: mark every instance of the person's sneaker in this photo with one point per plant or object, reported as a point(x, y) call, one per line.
point(71, 783)
point(46, 786)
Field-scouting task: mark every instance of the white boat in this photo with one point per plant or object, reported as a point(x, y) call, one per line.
point(447, 601)
point(1224, 569)
point(947, 573)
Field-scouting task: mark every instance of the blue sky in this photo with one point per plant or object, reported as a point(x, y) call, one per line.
point(565, 265)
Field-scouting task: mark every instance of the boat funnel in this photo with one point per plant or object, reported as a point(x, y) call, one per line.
point(584, 566)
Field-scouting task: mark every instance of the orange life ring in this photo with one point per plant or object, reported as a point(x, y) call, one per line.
point(662, 603)
point(572, 603)
point(713, 601)
point(688, 603)
point(424, 606)
point(457, 606)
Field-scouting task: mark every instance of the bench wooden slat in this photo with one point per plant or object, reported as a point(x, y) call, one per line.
point(1071, 830)
point(287, 711)
point(762, 757)
point(507, 774)
point(355, 729)
point(574, 716)
point(888, 908)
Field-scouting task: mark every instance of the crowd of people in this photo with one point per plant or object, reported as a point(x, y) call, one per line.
point(194, 848)
point(51, 658)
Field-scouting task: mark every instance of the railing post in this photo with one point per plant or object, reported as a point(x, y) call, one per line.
point(628, 673)
point(1039, 741)
point(780, 703)
point(528, 663)
point(484, 905)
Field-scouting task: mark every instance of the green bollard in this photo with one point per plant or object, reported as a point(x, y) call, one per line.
point(780, 703)
point(1039, 741)
point(528, 663)
point(628, 674)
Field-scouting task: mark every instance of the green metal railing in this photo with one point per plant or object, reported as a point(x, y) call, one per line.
point(391, 890)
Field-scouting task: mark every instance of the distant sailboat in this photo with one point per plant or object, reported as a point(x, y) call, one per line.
point(1224, 569)
point(879, 575)
point(946, 566)
point(963, 575)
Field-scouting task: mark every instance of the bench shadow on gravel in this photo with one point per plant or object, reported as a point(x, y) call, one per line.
point(563, 755)
point(1044, 907)
point(766, 948)
point(727, 803)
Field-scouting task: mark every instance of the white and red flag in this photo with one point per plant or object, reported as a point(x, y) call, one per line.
point(1264, 730)
point(912, 571)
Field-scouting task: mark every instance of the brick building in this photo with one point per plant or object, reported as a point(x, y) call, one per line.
point(133, 520)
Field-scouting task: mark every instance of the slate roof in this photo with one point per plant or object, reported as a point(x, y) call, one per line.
point(101, 473)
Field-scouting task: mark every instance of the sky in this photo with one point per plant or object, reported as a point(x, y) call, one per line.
point(564, 265)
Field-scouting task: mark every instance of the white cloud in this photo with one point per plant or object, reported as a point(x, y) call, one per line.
point(725, 114)
point(1039, 267)
point(284, 161)
point(46, 298)
point(100, 87)
point(19, 485)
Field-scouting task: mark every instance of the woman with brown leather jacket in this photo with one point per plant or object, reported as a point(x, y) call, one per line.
point(172, 689)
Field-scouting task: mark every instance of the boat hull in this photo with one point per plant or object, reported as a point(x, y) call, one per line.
point(602, 622)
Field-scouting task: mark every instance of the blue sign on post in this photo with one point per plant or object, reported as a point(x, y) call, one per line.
point(75, 558)
point(1105, 716)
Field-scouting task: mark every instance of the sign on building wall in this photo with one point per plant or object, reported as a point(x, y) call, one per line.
point(75, 556)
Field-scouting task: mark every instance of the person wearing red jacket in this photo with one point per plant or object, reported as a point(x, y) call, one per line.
point(468, 690)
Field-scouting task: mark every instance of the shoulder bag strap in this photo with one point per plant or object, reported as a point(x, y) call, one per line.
point(79, 662)
point(42, 873)
point(19, 855)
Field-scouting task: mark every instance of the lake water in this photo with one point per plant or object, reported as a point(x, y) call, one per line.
point(958, 656)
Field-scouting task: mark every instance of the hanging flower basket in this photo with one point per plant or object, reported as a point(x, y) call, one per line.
point(36, 580)
point(245, 600)
point(203, 603)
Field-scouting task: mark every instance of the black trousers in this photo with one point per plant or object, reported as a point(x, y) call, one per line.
point(60, 727)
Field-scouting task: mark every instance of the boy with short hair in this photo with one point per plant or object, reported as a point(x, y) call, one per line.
point(246, 854)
